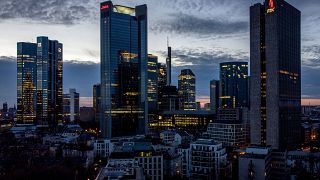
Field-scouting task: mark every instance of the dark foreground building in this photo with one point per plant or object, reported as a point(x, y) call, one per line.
point(124, 57)
point(275, 83)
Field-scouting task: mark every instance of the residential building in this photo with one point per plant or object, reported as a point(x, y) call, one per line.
point(208, 158)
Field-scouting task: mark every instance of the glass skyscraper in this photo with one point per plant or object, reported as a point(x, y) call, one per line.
point(26, 82)
point(124, 57)
point(152, 82)
point(162, 75)
point(275, 83)
point(187, 89)
point(152, 87)
point(39, 82)
point(233, 85)
point(49, 82)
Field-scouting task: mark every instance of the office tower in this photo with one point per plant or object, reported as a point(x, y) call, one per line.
point(49, 81)
point(168, 63)
point(97, 102)
point(187, 89)
point(275, 87)
point(162, 75)
point(152, 82)
point(168, 99)
point(124, 57)
point(214, 95)
point(233, 85)
point(71, 108)
point(26, 82)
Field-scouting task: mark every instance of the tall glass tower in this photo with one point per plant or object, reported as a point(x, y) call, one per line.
point(49, 82)
point(124, 57)
point(187, 89)
point(275, 83)
point(26, 82)
point(152, 83)
point(233, 85)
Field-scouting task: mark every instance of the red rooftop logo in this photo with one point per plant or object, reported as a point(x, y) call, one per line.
point(104, 7)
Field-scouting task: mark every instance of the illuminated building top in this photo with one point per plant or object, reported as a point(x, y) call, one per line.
point(124, 9)
point(271, 6)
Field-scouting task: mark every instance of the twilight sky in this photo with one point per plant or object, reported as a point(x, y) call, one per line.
point(202, 34)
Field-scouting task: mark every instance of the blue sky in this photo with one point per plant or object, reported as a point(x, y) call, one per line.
point(202, 34)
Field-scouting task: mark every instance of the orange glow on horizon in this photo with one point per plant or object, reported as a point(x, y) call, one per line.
point(304, 101)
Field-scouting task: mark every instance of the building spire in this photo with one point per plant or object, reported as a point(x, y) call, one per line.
point(168, 62)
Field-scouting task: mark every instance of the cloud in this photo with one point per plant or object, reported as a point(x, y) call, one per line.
point(7, 58)
point(65, 12)
point(185, 24)
point(311, 56)
point(203, 62)
point(81, 75)
point(205, 57)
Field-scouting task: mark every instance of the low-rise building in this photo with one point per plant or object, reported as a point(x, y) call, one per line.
point(207, 159)
point(103, 147)
point(255, 164)
point(170, 137)
point(121, 169)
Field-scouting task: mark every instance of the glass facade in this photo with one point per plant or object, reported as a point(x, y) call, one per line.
point(49, 82)
point(26, 82)
point(152, 87)
point(275, 86)
point(162, 75)
point(39, 82)
point(187, 89)
point(123, 36)
point(152, 82)
point(234, 85)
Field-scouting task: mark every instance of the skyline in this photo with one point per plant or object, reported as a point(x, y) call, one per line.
point(202, 51)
